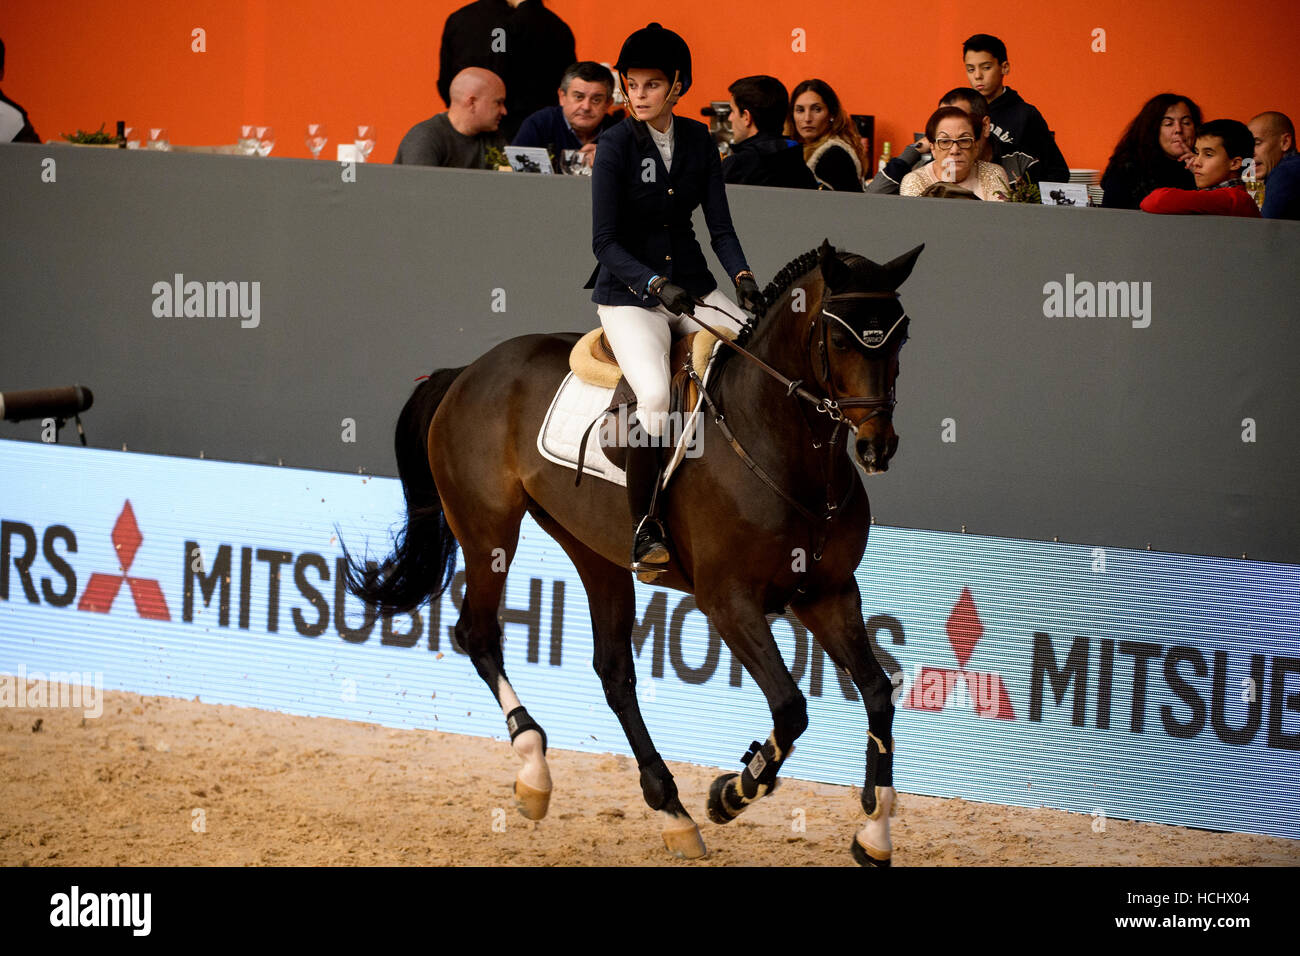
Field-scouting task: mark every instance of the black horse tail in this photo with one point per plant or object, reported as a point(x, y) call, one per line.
point(423, 561)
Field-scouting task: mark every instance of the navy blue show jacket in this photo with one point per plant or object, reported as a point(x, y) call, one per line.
point(641, 213)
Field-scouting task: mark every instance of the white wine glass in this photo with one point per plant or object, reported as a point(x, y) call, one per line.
point(365, 141)
point(265, 140)
point(316, 139)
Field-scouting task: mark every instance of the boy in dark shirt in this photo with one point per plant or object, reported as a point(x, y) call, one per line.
point(1019, 127)
point(1221, 145)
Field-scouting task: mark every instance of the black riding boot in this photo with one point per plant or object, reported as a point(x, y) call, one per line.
point(644, 468)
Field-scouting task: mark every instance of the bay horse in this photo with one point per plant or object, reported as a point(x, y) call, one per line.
point(772, 515)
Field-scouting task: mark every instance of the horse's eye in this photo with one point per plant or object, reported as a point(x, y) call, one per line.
point(839, 341)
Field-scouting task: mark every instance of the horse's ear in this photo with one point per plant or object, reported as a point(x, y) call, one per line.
point(900, 268)
point(834, 272)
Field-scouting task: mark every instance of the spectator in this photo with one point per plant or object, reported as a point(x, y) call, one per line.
point(461, 136)
point(957, 141)
point(760, 155)
point(1019, 127)
point(1274, 135)
point(917, 154)
point(521, 41)
point(651, 173)
point(586, 92)
point(1155, 151)
point(831, 145)
point(1277, 164)
point(1221, 145)
point(15, 127)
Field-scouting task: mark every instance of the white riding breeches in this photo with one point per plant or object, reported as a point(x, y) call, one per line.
point(640, 339)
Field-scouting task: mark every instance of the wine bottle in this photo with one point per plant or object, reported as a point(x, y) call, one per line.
point(121, 134)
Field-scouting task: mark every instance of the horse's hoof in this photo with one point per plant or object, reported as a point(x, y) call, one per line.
point(685, 842)
point(532, 803)
point(869, 857)
point(719, 811)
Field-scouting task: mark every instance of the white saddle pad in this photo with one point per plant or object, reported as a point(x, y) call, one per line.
point(577, 404)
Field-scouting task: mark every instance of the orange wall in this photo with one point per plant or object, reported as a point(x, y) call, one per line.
point(78, 63)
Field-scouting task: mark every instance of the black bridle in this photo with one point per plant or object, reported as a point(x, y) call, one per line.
point(870, 340)
point(829, 405)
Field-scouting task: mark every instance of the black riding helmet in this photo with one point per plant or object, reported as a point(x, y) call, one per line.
point(655, 48)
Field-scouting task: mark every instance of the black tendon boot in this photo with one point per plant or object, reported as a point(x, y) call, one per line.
point(650, 547)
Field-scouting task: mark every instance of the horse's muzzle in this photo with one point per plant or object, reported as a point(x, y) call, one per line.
point(875, 452)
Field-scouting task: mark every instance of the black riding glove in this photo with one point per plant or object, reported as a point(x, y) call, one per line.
point(674, 298)
point(748, 294)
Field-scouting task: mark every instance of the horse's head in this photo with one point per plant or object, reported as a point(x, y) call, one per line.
point(854, 339)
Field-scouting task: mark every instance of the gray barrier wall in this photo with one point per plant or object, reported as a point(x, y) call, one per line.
point(1174, 426)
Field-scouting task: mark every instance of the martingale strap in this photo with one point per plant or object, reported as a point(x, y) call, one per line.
point(721, 421)
point(820, 523)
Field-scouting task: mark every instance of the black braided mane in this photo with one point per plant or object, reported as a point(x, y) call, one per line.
point(780, 284)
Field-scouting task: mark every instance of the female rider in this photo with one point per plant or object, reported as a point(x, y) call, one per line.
point(650, 173)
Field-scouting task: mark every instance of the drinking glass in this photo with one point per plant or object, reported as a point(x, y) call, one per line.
point(365, 141)
point(157, 138)
point(316, 139)
point(265, 140)
point(132, 135)
point(247, 144)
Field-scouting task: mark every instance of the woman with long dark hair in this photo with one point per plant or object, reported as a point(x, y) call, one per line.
point(1153, 152)
point(831, 145)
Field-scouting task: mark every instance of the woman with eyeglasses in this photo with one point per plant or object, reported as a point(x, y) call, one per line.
point(831, 145)
point(957, 140)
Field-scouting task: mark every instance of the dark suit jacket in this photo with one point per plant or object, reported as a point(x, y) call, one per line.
point(641, 213)
point(766, 159)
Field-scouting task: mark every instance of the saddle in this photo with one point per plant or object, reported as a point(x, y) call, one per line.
point(593, 361)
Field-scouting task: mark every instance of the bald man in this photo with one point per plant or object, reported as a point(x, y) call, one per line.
point(1277, 163)
point(461, 136)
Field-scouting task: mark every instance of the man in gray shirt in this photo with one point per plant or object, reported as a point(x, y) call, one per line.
point(460, 137)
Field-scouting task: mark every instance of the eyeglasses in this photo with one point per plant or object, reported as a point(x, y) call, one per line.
point(944, 144)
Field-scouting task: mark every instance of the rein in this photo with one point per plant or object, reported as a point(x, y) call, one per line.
point(793, 387)
point(829, 405)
